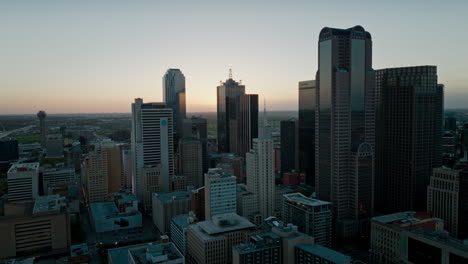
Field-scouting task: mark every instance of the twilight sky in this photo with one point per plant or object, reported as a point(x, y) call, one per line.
point(97, 56)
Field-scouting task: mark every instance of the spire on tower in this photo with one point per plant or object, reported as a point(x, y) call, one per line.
point(264, 113)
point(230, 73)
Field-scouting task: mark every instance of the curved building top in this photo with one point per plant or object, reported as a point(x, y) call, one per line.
point(355, 32)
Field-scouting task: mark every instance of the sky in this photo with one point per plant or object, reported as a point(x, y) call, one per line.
point(97, 56)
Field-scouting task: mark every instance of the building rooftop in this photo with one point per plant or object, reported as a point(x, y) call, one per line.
point(79, 250)
point(218, 173)
point(124, 196)
point(20, 167)
point(301, 199)
point(182, 221)
point(442, 237)
point(325, 253)
point(54, 136)
point(145, 253)
point(223, 223)
point(403, 218)
point(104, 210)
point(172, 196)
point(49, 203)
point(259, 242)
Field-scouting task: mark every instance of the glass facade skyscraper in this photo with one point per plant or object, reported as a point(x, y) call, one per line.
point(237, 117)
point(345, 130)
point(289, 145)
point(174, 96)
point(306, 126)
point(410, 112)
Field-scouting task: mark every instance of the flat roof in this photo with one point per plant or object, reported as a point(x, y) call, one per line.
point(20, 167)
point(169, 197)
point(49, 203)
point(302, 199)
point(325, 253)
point(403, 217)
point(120, 255)
point(441, 237)
point(181, 221)
point(223, 223)
point(104, 210)
point(79, 250)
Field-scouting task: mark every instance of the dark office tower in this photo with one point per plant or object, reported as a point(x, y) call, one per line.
point(174, 96)
point(450, 124)
point(289, 145)
point(345, 127)
point(410, 109)
point(244, 127)
point(307, 107)
point(227, 93)
point(8, 149)
point(197, 127)
point(42, 127)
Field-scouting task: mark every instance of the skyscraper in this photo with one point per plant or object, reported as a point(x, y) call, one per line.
point(290, 145)
point(42, 127)
point(237, 116)
point(152, 145)
point(191, 161)
point(174, 96)
point(197, 127)
point(306, 124)
point(345, 127)
point(261, 173)
point(220, 193)
point(96, 177)
point(447, 199)
point(410, 108)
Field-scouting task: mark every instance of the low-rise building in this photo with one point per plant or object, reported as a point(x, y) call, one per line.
point(312, 216)
point(427, 246)
point(168, 205)
point(157, 253)
point(386, 232)
point(316, 254)
point(262, 249)
point(179, 226)
point(23, 181)
point(79, 253)
point(42, 226)
point(211, 241)
point(57, 176)
point(106, 217)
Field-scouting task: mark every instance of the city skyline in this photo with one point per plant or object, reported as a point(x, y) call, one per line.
point(84, 60)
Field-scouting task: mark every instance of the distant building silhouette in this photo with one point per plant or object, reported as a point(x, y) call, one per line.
point(306, 124)
point(42, 127)
point(289, 145)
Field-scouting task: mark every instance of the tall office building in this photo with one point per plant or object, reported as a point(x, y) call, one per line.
point(152, 147)
point(311, 216)
point(244, 127)
point(191, 161)
point(174, 96)
point(8, 149)
point(96, 178)
point(197, 127)
point(289, 145)
point(42, 127)
point(237, 116)
point(220, 193)
point(410, 109)
point(306, 124)
point(261, 173)
point(114, 166)
point(345, 130)
point(447, 198)
point(23, 181)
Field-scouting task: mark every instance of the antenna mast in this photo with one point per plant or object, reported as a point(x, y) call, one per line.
point(230, 73)
point(264, 114)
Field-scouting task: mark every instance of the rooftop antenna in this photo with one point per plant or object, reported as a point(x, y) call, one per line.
point(230, 73)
